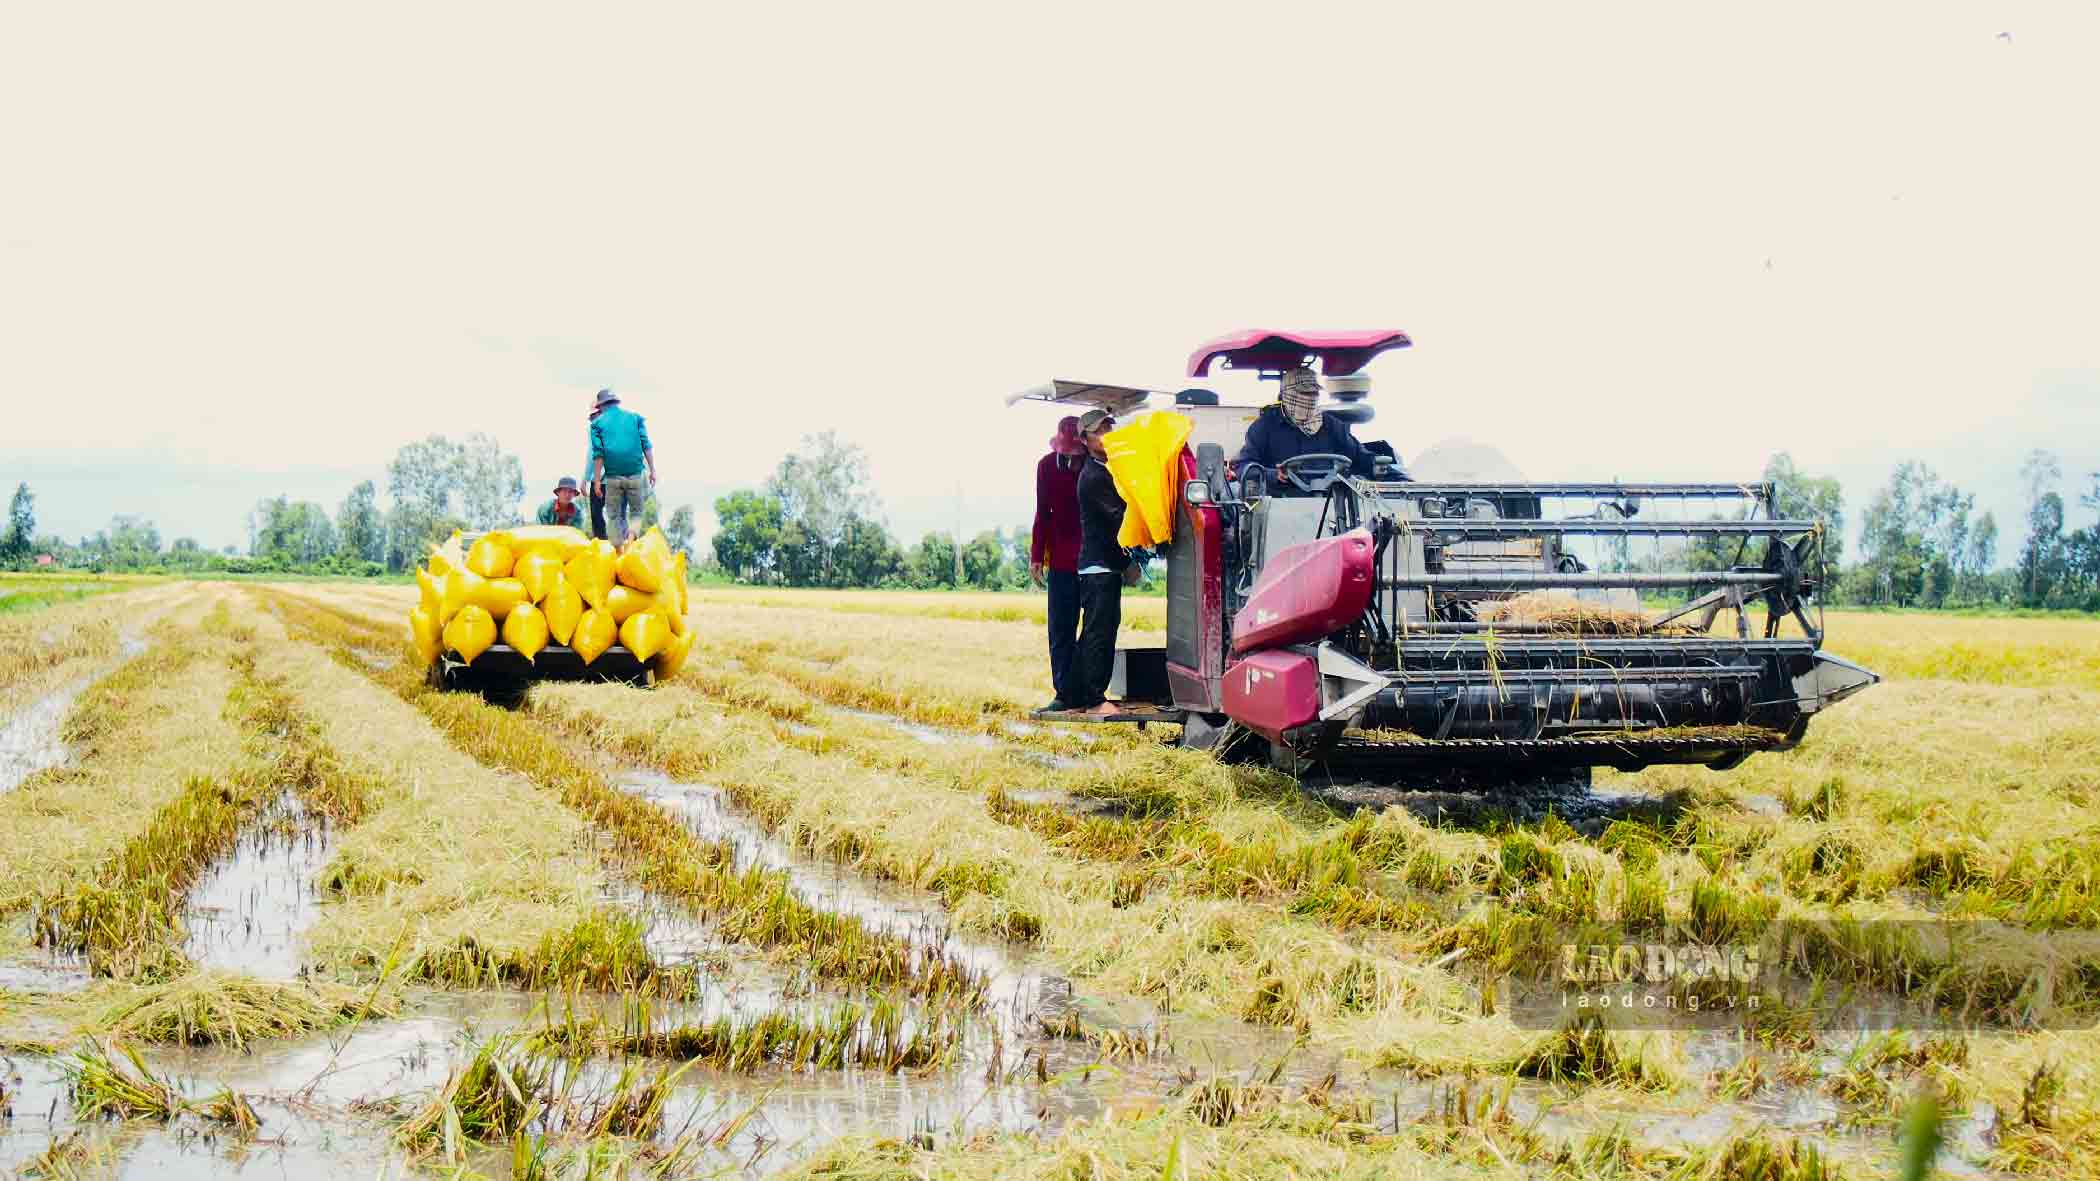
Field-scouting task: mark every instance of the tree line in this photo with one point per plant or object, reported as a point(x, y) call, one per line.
point(435, 485)
point(817, 522)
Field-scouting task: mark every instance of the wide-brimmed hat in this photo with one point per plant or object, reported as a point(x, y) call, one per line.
point(567, 483)
point(1094, 420)
point(1066, 440)
point(605, 398)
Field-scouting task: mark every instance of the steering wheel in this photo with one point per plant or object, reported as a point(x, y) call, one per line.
point(1314, 472)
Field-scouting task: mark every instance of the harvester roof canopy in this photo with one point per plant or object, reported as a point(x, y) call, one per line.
point(1116, 399)
point(1339, 353)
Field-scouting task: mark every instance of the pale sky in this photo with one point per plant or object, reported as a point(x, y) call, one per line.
point(255, 249)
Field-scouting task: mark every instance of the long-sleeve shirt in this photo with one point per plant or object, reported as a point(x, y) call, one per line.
point(550, 513)
point(1054, 540)
point(1100, 519)
point(621, 439)
point(1273, 438)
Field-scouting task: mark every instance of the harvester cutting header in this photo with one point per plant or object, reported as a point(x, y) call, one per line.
point(1337, 614)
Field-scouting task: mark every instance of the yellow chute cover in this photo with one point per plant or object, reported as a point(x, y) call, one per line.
point(1145, 459)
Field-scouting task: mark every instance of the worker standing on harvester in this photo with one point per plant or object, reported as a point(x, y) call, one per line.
point(1104, 569)
point(1053, 548)
point(563, 509)
point(620, 453)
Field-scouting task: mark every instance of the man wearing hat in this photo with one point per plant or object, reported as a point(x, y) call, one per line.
point(563, 509)
point(1053, 547)
point(1105, 567)
point(620, 456)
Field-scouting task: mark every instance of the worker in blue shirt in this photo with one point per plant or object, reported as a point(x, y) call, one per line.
point(620, 460)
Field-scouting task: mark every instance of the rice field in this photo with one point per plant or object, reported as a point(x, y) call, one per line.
point(829, 905)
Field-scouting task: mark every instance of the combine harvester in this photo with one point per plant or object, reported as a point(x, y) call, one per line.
point(1451, 634)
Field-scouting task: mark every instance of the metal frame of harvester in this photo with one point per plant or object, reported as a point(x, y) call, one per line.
point(1342, 625)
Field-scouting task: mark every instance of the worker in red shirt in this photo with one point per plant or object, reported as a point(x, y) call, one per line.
point(1053, 547)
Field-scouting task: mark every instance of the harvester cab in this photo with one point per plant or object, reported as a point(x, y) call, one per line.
point(1465, 633)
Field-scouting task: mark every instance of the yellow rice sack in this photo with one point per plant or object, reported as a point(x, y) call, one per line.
point(470, 633)
point(446, 558)
point(681, 578)
point(429, 594)
point(489, 559)
point(500, 596)
point(625, 602)
point(424, 636)
point(674, 617)
point(560, 542)
point(645, 633)
point(672, 658)
point(563, 607)
point(639, 569)
point(605, 549)
point(591, 574)
point(595, 632)
point(462, 586)
point(526, 630)
point(537, 572)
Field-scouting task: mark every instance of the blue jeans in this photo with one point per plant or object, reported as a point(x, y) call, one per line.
point(1064, 627)
point(624, 498)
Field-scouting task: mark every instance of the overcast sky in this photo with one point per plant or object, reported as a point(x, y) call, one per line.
point(255, 249)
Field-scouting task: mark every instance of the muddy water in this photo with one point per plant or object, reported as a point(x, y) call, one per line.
point(29, 739)
point(248, 911)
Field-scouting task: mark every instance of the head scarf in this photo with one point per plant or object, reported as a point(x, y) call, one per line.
point(1301, 397)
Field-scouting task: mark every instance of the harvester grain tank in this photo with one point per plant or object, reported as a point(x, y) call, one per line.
point(1467, 632)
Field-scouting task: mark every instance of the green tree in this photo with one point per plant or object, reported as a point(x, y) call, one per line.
point(360, 530)
point(131, 543)
point(747, 532)
point(679, 532)
point(931, 563)
point(820, 488)
point(425, 473)
point(2042, 559)
point(984, 560)
point(491, 481)
point(866, 555)
point(18, 541)
point(2040, 472)
point(1801, 497)
point(1906, 534)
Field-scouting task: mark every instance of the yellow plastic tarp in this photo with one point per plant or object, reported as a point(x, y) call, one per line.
point(1144, 457)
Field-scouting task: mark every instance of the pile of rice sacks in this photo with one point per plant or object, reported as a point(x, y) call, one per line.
point(541, 585)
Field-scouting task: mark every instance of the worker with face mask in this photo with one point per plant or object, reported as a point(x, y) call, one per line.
point(1294, 425)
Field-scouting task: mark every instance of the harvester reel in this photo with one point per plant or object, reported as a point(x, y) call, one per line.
point(1784, 597)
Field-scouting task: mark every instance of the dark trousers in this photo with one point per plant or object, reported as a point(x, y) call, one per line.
point(1064, 628)
point(1101, 606)
point(597, 514)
